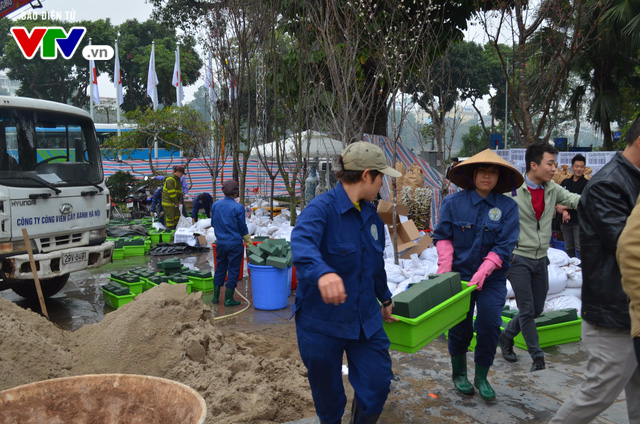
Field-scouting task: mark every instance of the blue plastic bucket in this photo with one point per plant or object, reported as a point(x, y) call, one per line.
point(270, 287)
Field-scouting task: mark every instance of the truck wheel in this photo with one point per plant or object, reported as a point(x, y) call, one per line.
point(50, 286)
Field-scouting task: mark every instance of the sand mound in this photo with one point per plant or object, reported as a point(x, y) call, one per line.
point(163, 333)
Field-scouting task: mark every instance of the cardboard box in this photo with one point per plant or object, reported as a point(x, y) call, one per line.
point(420, 247)
point(407, 232)
point(385, 210)
point(202, 240)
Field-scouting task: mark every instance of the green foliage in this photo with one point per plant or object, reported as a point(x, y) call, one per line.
point(474, 142)
point(117, 184)
point(174, 128)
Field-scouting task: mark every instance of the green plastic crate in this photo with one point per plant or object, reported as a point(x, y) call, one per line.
point(411, 334)
point(201, 284)
point(118, 253)
point(147, 244)
point(167, 237)
point(154, 236)
point(133, 250)
point(135, 288)
point(116, 301)
point(554, 334)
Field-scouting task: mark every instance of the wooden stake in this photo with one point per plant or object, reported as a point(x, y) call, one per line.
point(34, 271)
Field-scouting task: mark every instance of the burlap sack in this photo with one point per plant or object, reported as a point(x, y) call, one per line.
point(414, 177)
point(400, 181)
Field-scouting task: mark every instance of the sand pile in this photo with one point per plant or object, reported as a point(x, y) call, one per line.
point(163, 333)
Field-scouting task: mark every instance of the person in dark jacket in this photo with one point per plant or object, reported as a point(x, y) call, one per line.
point(570, 223)
point(202, 201)
point(337, 247)
point(156, 205)
point(230, 226)
point(605, 205)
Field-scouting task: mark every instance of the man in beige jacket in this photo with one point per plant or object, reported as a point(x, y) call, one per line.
point(628, 255)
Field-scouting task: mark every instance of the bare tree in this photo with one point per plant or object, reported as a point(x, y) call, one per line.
point(546, 38)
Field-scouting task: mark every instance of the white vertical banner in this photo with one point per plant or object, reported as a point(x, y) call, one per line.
point(177, 79)
point(117, 78)
point(95, 93)
point(152, 77)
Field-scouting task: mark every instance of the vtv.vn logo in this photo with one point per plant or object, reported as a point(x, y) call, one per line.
point(50, 39)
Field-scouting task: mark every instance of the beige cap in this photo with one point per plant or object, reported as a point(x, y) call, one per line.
point(361, 155)
point(463, 173)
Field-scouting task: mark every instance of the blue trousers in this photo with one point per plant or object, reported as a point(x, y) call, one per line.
point(489, 301)
point(229, 260)
point(369, 371)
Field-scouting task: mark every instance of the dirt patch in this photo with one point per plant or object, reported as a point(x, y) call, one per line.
point(164, 333)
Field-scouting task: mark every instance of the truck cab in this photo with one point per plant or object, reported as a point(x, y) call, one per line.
point(52, 185)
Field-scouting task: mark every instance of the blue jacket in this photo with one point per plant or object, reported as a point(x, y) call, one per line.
point(331, 235)
point(157, 199)
point(477, 226)
point(205, 204)
point(228, 221)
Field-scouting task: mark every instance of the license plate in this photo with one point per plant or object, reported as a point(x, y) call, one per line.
point(68, 258)
point(129, 204)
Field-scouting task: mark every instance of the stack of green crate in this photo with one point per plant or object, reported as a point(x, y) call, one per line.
point(411, 334)
point(427, 294)
point(170, 266)
point(200, 280)
point(132, 281)
point(116, 295)
point(271, 252)
point(144, 274)
point(180, 279)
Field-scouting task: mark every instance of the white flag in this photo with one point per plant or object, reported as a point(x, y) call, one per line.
point(230, 84)
point(117, 78)
point(93, 78)
point(209, 81)
point(177, 79)
point(152, 78)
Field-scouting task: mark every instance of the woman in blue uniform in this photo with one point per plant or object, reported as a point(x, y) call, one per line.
point(475, 236)
point(337, 247)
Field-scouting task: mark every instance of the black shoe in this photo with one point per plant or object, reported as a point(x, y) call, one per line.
point(506, 346)
point(538, 364)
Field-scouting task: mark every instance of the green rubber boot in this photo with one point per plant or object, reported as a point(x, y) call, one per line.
point(216, 294)
point(228, 298)
point(460, 381)
point(481, 383)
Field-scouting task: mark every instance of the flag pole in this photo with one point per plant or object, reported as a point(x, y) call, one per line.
point(118, 81)
point(91, 88)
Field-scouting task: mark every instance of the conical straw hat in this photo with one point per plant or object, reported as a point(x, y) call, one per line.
point(509, 179)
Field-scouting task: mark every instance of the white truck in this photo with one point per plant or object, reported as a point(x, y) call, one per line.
point(52, 185)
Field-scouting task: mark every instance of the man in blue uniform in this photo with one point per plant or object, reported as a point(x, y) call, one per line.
point(337, 247)
point(156, 205)
point(475, 236)
point(230, 226)
point(203, 201)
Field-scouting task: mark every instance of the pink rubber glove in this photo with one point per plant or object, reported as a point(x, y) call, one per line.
point(445, 256)
point(490, 263)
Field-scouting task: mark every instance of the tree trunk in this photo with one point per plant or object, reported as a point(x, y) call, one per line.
point(607, 135)
point(376, 120)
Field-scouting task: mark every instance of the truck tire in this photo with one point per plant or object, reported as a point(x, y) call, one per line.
point(51, 286)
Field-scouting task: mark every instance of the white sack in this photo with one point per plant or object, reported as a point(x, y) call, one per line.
point(558, 257)
point(557, 279)
point(563, 302)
